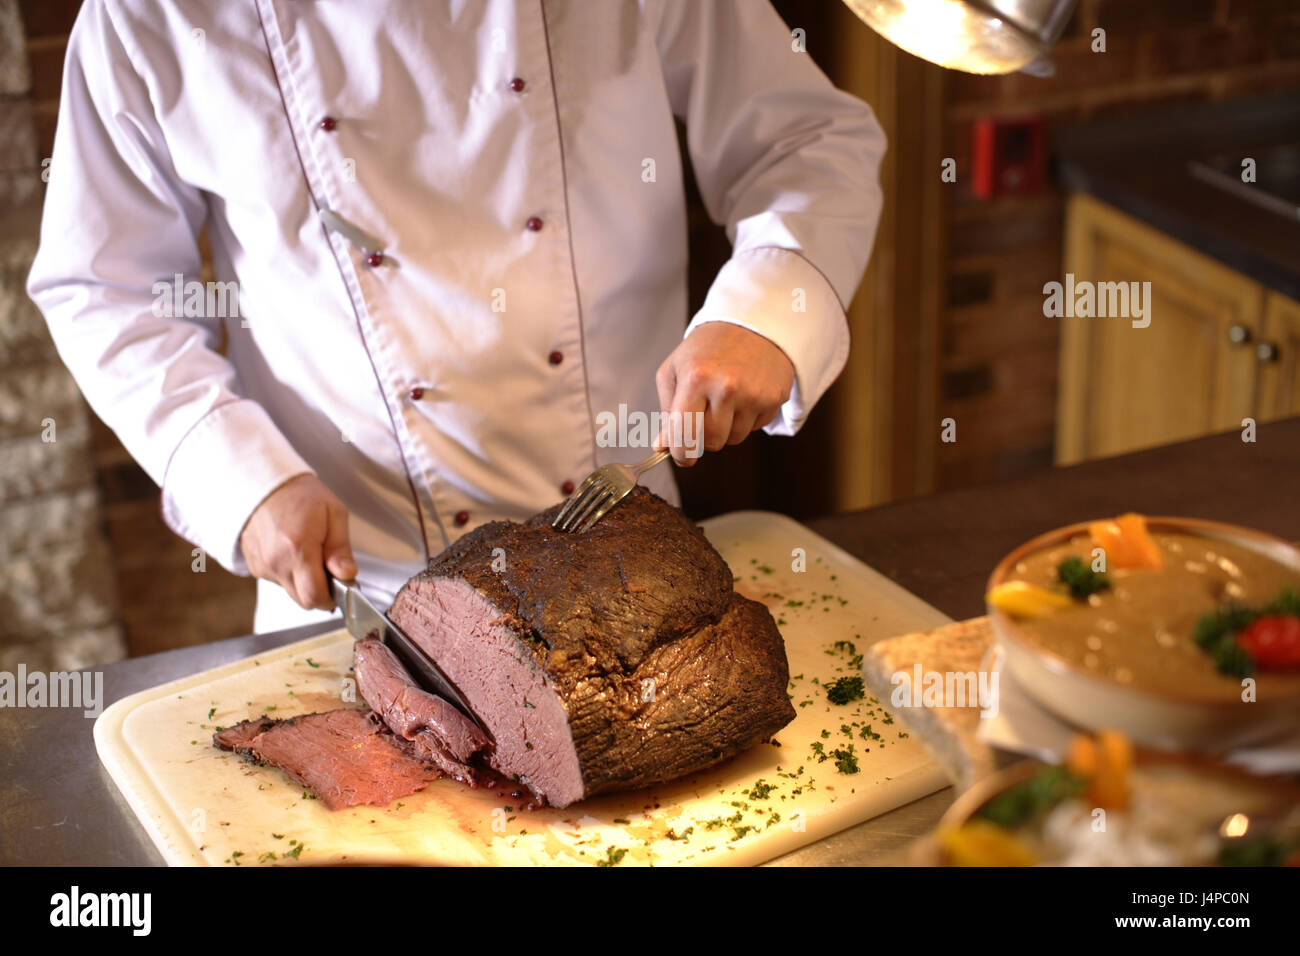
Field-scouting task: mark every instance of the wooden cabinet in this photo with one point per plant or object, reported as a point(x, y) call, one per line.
point(1279, 375)
point(1218, 348)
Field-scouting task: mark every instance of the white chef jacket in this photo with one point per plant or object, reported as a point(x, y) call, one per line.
point(510, 257)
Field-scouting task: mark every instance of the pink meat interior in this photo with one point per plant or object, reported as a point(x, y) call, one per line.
point(504, 685)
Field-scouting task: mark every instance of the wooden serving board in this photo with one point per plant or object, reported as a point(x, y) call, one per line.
point(203, 806)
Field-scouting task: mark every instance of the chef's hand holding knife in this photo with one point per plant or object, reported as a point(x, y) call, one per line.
point(298, 531)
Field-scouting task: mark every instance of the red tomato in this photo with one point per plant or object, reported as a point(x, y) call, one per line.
point(1273, 642)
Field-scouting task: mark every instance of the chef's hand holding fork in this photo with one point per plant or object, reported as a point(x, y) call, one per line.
point(737, 378)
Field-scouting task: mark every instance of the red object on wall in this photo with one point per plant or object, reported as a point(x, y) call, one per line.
point(1010, 157)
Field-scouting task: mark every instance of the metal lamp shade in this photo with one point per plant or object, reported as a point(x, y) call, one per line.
point(976, 36)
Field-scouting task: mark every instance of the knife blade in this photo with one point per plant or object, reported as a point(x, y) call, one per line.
point(363, 619)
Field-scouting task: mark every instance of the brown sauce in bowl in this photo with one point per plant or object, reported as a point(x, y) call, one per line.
point(1139, 632)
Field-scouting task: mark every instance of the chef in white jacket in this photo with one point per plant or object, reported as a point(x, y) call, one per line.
point(450, 245)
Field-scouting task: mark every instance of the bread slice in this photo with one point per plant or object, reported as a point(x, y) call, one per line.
point(949, 732)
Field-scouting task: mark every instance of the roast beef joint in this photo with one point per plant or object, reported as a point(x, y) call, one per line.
point(609, 660)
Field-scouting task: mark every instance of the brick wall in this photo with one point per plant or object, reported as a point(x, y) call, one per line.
point(998, 352)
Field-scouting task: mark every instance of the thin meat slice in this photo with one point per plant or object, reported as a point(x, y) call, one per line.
point(406, 707)
point(344, 757)
point(435, 727)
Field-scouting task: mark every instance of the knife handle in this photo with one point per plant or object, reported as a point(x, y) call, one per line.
point(339, 589)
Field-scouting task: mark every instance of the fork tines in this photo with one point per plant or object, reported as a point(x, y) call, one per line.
point(585, 506)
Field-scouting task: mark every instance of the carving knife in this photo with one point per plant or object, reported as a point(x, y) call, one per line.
point(363, 619)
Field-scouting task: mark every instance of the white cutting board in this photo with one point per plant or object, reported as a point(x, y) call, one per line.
point(204, 806)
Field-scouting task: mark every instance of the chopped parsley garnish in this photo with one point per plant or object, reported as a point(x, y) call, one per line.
point(613, 856)
point(760, 790)
point(844, 690)
point(846, 760)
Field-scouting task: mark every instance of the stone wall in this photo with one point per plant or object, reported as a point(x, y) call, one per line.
point(162, 603)
point(58, 602)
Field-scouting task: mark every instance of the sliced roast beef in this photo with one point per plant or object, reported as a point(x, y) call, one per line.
point(344, 757)
point(611, 659)
point(437, 729)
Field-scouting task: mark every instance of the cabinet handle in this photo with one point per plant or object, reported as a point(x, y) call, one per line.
point(1267, 352)
point(1238, 334)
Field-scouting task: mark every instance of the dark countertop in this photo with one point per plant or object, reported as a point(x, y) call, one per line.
point(1140, 164)
point(59, 806)
point(943, 547)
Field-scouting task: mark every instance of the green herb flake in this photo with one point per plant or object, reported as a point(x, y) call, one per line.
point(845, 690)
point(613, 856)
point(846, 760)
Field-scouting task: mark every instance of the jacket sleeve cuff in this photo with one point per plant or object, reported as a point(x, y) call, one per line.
point(224, 467)
point(781, 296)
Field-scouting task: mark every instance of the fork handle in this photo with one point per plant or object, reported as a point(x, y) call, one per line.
point(641, 467)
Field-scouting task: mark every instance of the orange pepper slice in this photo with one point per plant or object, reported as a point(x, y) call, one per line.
point(1107, 764)
point(1115, 769)
point(1127, 542)
point(1081, 756)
